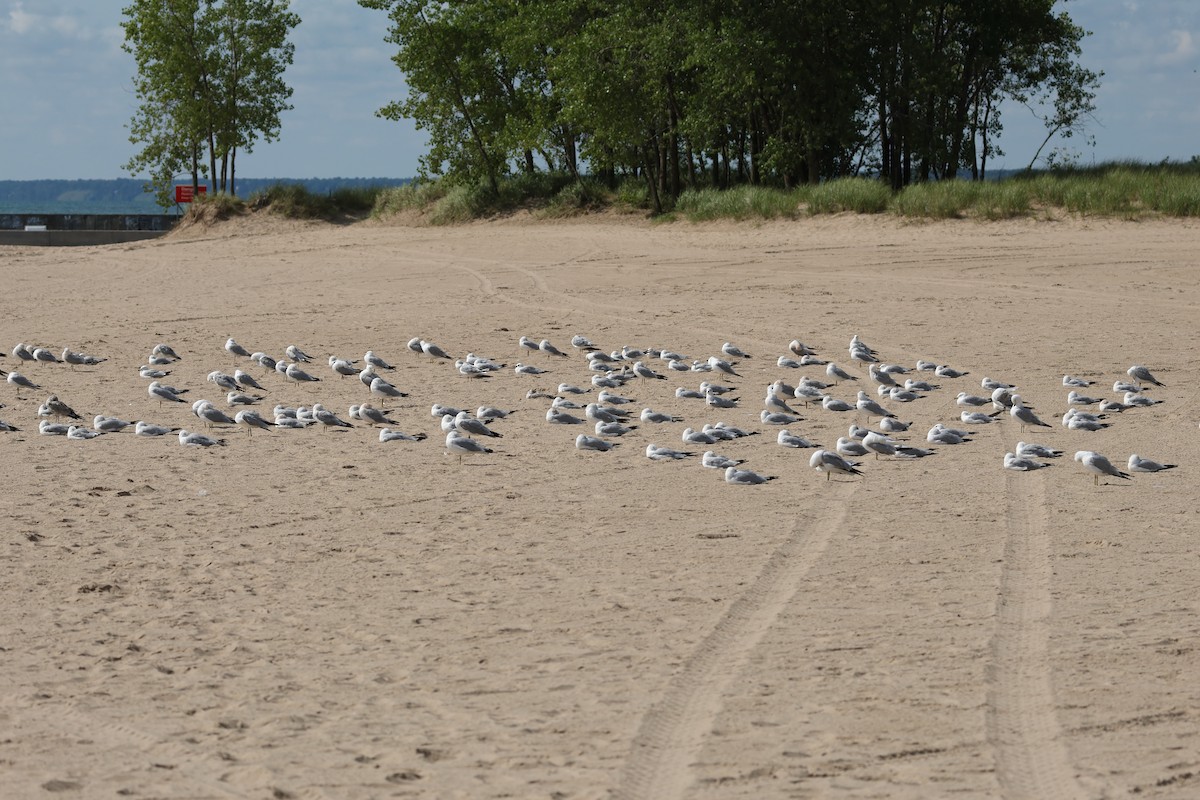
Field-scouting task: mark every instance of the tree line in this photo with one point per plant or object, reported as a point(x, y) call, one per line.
point(706, 93)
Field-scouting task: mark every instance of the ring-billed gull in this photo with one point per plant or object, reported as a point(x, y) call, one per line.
point(60, 409)
point(830, 462)
point(342, 367)
point(1141, 374)
point(847, 446)
point(1136, 399)
point(20, 381)
point(975, 400)
point(712, 460)
point(1079, 383)
point(947, 371)
point(459, 445)
point(789, 439)
point(1074, 398)
point(657, 453)
point(166, 350)
point(746, 477)
point(160, 393)
point(152, 372)
point(1033, 450)
point(296, 354)
point(1139, 464)
point(581, 342)
point(375, 361)
point(190, 439)
point(585, 442)
point(650, 415)
point(692, 436)
point(1024, 415)
point(141, 428)
point(1098, 465)
point(235, 349)
point(831, 403)
point(80, 359)
point(870, 407)
point(801, 349)
point(226, 382)
point(733, 351)
point(295, 373)
point(613, 428)
point(389, 435)
point(557, 417)
point(82, 433)
point(242, 399)
point(546, 347)
point(468, 424)
point(1022, 463)
point(721, 365)
point(109, 424)
point(251, 419)
point(45, 356)
point(48, 428)
point(431, 349)
point(893, 425)
point(247, 380)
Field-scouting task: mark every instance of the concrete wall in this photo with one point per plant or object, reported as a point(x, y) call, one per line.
point(90, 222)
point(73, 238)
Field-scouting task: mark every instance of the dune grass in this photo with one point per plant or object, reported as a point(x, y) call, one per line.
point(295, 201)
point(1125, 190)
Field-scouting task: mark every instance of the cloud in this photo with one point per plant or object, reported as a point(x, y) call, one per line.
point(1182, 48)
point(20, 21)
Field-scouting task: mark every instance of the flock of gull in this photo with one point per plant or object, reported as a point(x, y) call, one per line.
point(601, 403)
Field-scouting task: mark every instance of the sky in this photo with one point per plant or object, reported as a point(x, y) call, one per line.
point(66, 93)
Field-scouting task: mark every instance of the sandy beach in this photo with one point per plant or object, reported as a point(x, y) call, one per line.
point(316, 614)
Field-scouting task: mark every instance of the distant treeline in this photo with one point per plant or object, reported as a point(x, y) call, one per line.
point(131, 192)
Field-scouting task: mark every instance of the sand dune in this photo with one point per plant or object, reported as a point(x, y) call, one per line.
point(316, 614)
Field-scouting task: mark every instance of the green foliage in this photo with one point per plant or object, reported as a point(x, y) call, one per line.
point(860, 195)
point(742, 202)
point(209, 83)
point(297, 202)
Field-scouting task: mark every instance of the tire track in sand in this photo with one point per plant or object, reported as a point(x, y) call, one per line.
point(1022, 725)
point(673, 731)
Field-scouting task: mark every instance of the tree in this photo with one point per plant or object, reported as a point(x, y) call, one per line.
point(210, 82)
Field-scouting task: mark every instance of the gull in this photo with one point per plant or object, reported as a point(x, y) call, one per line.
point(291, 422)
point(807, 394)
point(777, 418)
point(680, 366)
point(879, 444)
point(644, 372)
point(8, 426)
point(562, 402)
point(469, 370)
point(295, 373)
point(366, 376)
point(691, 436)
point(649, 415)
point(851, 447)
point(712, 460)
point(746, 477)
point(414, 344)
point(343, 367)
point(566, 388)
point(788, 439)
point(871, 408)
point(1079, 421)
point(526, 343)
point(732, 350)
point(598, 413)
point(141, 428)
point(1002, 398)
point(447, 424)
point(976, 418)
point(189, 439)
point(631, 353)
point(611, 399)
point(879, 376)
point(166, 351)
point(248, 380)
point(74, 359)
point(242, 399)
point(1126, 386)
point(715, 388)
point(965, 399)
point(22, 352)
point(281, 367)
point(1135, 399)
point(893, 425)
point(328, 418)
point(831, 403)
point(607, 382)
point(469, 424)
point(251, 420)
point(803, 383)
point(369, 413)
point(812, 361)
point(721, 434)
point(702, 366)
point(60, 409)
point(1023, 415)
point(1141, 374)
point(773, 402)
point(160, 393)
point(460, 445)
point(585, 442)
point(48, 428)
point(657, 453)
point(939, 434)
point(384, 389)
point(431, 349)
point(801, 349)
point(438, 410)
point(522, 369)
point(903, 395)
point(859, 432)
point(557, 417)
point(389, 435)
point(491, 412)
point(947, 371)
point(1032, 450)
point(265, 361)
point(1098, 465)
point(893, 369)
point(1022, 463)
point(82, 433)
point(581, 342)
point(738, 433)
point(1074, 398)
point(714, 400)
point(1079, 383)
point(375, 361)
point(211, 414)
point(721, 365)
point(1139, 464)
point(925, 366)
point(148, 371)
point(18, 380)
point(236, 349)
point(44, 355)
point(601, 356)
point(109, 424)
point(613, 428)
point(788, 363)
point(296, 354)
point(226, 382)
point(545, 346)
point(992, 385)
point(830, 462)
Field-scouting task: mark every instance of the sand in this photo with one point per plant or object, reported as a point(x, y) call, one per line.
point(316, 614)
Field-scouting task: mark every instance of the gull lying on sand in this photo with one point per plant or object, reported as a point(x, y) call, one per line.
point(1139, 464)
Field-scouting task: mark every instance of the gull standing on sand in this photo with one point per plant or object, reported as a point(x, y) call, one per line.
point(432, 350)
point(247, 380)
point(295, 373)
point(460, 445)
point(732, 350)
point(328, 418)
point(375, 361)
point(251, 419)
point(1023, 415)
point(159, 392)
point(829, 462)
point(1098, 465)
point(18, 380)
point(468, 424)
point(870, 407)
point(60, 409)
point(236, 349)
point(720, 365)
point(296, 354)
point(74, 359)
point(1142, 375)
point(211, 414)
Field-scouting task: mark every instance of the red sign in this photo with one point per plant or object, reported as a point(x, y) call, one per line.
point(183, 193)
